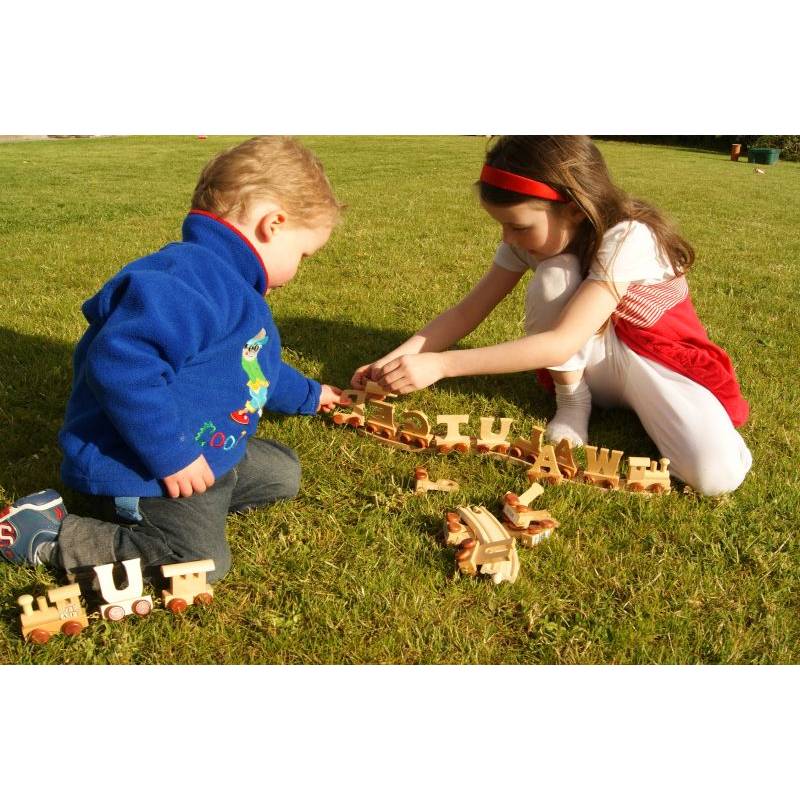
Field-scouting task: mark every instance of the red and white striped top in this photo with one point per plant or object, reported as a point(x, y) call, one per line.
point(644, 304)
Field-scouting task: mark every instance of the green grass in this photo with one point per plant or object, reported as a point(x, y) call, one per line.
point(354, 570)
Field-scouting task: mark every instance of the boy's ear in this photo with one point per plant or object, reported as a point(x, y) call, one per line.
point(269, 224)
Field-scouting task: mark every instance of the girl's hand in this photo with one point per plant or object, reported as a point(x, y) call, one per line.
point(195, 478)
point(329, 398)
point(409, 373)
point(369, 372)
point(361, 376)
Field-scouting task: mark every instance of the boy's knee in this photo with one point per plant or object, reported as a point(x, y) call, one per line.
point(286, 473)
point(222, 566)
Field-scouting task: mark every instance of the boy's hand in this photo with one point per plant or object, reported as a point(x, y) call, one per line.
point(329, 398)
point(411, 372)
point(195, 478)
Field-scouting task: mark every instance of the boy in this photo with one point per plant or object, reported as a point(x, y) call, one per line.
point(170, 380)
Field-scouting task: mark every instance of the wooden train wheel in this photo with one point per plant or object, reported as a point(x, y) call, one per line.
point(461, 448)
point(39, 636)
point(483, 448)
point(142, 607)
point(635, 487)
point(71, 628)
point(658, 488)
point(354, 422)
point(444, 449)
point(552, 480)
point(516, 452)
point(203, 599)
point(177, 605)
point(502, 449)
point(339, 418)
point(404, 438)
point(115, 613)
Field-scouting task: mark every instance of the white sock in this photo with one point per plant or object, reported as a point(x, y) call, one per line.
point(573, 408)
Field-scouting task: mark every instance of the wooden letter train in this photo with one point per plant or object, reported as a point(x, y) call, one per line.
point(545, 462)
point(67, 616)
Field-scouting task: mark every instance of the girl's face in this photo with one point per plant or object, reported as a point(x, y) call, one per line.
point(542, 228)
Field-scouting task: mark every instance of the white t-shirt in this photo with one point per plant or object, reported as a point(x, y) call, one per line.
point(629, 253)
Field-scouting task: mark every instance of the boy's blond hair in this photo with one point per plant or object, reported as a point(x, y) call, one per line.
point(278, 168)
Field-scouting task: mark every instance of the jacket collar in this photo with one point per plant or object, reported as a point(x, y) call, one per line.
point(227, 241)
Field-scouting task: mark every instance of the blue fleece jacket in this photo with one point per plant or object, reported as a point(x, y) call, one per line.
point(179, 360)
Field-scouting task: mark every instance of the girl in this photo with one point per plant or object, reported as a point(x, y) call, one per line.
point(607, 312)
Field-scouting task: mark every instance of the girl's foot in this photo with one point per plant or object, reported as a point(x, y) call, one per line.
point(573, 408)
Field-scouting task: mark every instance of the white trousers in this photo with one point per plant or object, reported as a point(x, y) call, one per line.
point(687, 423)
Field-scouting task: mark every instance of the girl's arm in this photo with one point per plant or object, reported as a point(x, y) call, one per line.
point(450, 325)
point(591, 305)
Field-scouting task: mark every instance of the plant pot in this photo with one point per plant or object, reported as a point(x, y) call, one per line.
point(763, 155)
point(736, 151)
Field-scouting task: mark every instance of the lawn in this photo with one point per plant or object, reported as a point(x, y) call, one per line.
point(354, 569)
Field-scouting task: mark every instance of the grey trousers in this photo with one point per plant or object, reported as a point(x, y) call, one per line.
point(184, 528)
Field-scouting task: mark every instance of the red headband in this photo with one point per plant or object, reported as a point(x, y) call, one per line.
point(517, 183)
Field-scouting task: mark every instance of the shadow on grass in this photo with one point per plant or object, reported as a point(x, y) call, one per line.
point(37, 374)
point(342, 346)
point(34, 388)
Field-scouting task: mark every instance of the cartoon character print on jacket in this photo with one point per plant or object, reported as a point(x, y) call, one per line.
point(257, 384)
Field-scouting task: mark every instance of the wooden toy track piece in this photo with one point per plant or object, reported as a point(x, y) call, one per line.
point(496, 553)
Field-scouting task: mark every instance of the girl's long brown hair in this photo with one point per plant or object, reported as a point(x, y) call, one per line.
point(573, 165)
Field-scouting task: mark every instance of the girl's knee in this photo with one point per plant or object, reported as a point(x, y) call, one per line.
point(712, 474)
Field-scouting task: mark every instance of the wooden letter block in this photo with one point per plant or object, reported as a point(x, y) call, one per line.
point(354, 415)
point(415, 429)
point(381, 419)
point(602, 470)
point(453, 439)
point(546, 466)
point(528, 449)
point(121, 602)
point(488, 440)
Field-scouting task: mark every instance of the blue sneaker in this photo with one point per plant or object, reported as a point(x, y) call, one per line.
point(28, 523)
